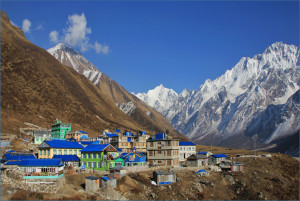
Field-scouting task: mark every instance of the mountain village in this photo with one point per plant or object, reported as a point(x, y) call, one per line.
point(69, 132)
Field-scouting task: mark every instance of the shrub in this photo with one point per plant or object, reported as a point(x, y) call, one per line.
point(93, 197)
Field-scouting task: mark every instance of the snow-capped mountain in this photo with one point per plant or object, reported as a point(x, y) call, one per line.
point(257, 96)
point(159, 98)
point(73, 59)
point(127, 108)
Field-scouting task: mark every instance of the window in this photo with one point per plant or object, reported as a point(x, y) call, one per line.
point(168, 152)
point(79, 152)
point(44, 152)
point(70, 152)
point(159, 147)
point(168, 143)
point(83, 155)
point(193, 148)
point(87, 155)
point(89, 164)
point(60, 152)
point(159, 152)
point(151, 144)
point(75, 152)
point(98, 155)
point(41, 152)
point(190, 148)
point(94, 164)
point(83, 163)
point(98, 165)
point(65, 152)
point(48, 152)
point(180, 148)
point(93, 155)
point(54, 151)
point(150, 153)
point(168, 162)
point(158, 142)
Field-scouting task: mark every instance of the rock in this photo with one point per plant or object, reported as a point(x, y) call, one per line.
point(212, 185)
point(229, 179)
point(170, 187)
point(162, 188)
point(237, 192)
point(244, 184)
point(236, 180)
point(260, 194)
point(152, 195)
point(177, 180)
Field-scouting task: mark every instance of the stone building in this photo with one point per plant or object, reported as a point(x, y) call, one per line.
point(162, 150)
point(186, 149)
point(92, 184)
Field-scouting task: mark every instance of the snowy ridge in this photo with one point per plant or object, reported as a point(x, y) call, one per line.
point(73, 59)
point(160, 98)
point(229, 105)
point(257, 96)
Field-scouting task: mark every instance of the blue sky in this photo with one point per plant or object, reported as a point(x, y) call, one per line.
point(178, 44)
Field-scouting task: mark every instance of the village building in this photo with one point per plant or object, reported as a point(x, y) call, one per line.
point(108, 180)
point(17, 156)
point(132, 159)
point(207, 153)
point(117, 172)
point(92, 184)
point(59, 129)
point(98, 157)
point(52, 147)
point(119, 162)
point(69, 160)
point(76, 135)
point(196, 160)
point(161, 150)
point(164, 177)
point(40, 135)
point(42, 168)
point(202, 173)
point(236, 167)
point(129, 140)
point(216, 159)
point(186, 149)
point(119, 152)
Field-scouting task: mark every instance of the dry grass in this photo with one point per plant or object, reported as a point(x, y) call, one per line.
point(20, 195)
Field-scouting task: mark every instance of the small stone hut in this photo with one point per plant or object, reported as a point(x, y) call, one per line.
point(236, 167)
point(92, 184)
point(105, 180)
point(164, 177)
point(117, 172)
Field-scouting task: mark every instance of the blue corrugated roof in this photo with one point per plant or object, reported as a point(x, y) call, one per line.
point(92, 178)
point(14, 156)
point(40, 162)
point(12, 163)
point(203, 152)
point(66, 157)
point(82, 131)
point(96, 142)
point(84, 137)
point(87, 142)
point(112, 135)
point(119, 149)
point(64, 144)
point(94, 148)
point(200, 171)
point(219, 155)
point(105, 178)
point(186, 143)
point(11, 151)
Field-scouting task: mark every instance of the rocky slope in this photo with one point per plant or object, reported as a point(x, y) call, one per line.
point(37, 88)
point(130, 104)
point(258, 96)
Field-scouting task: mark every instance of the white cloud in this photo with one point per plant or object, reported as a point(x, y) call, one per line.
point(14, 24)
point(76, 35)
point(40, 27)
point(99, 48)
point(54, 36)
point(26, 25)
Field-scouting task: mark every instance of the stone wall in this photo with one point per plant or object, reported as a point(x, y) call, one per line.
point(36, 185)
point(137, 168)
point(91, 185)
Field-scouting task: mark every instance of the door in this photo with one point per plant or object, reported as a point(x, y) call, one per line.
point(184, 156)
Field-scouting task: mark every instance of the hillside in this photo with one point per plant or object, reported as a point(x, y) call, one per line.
point(37, 88)
point(139, 111)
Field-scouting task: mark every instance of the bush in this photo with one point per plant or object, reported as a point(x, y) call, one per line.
point(93, 197)
point(20, 195)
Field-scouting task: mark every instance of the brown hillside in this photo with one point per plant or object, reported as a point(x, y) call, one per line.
point(37, 88)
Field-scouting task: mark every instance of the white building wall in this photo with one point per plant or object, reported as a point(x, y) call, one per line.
point(186, 151)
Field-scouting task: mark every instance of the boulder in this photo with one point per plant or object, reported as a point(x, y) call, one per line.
point(229, 179)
